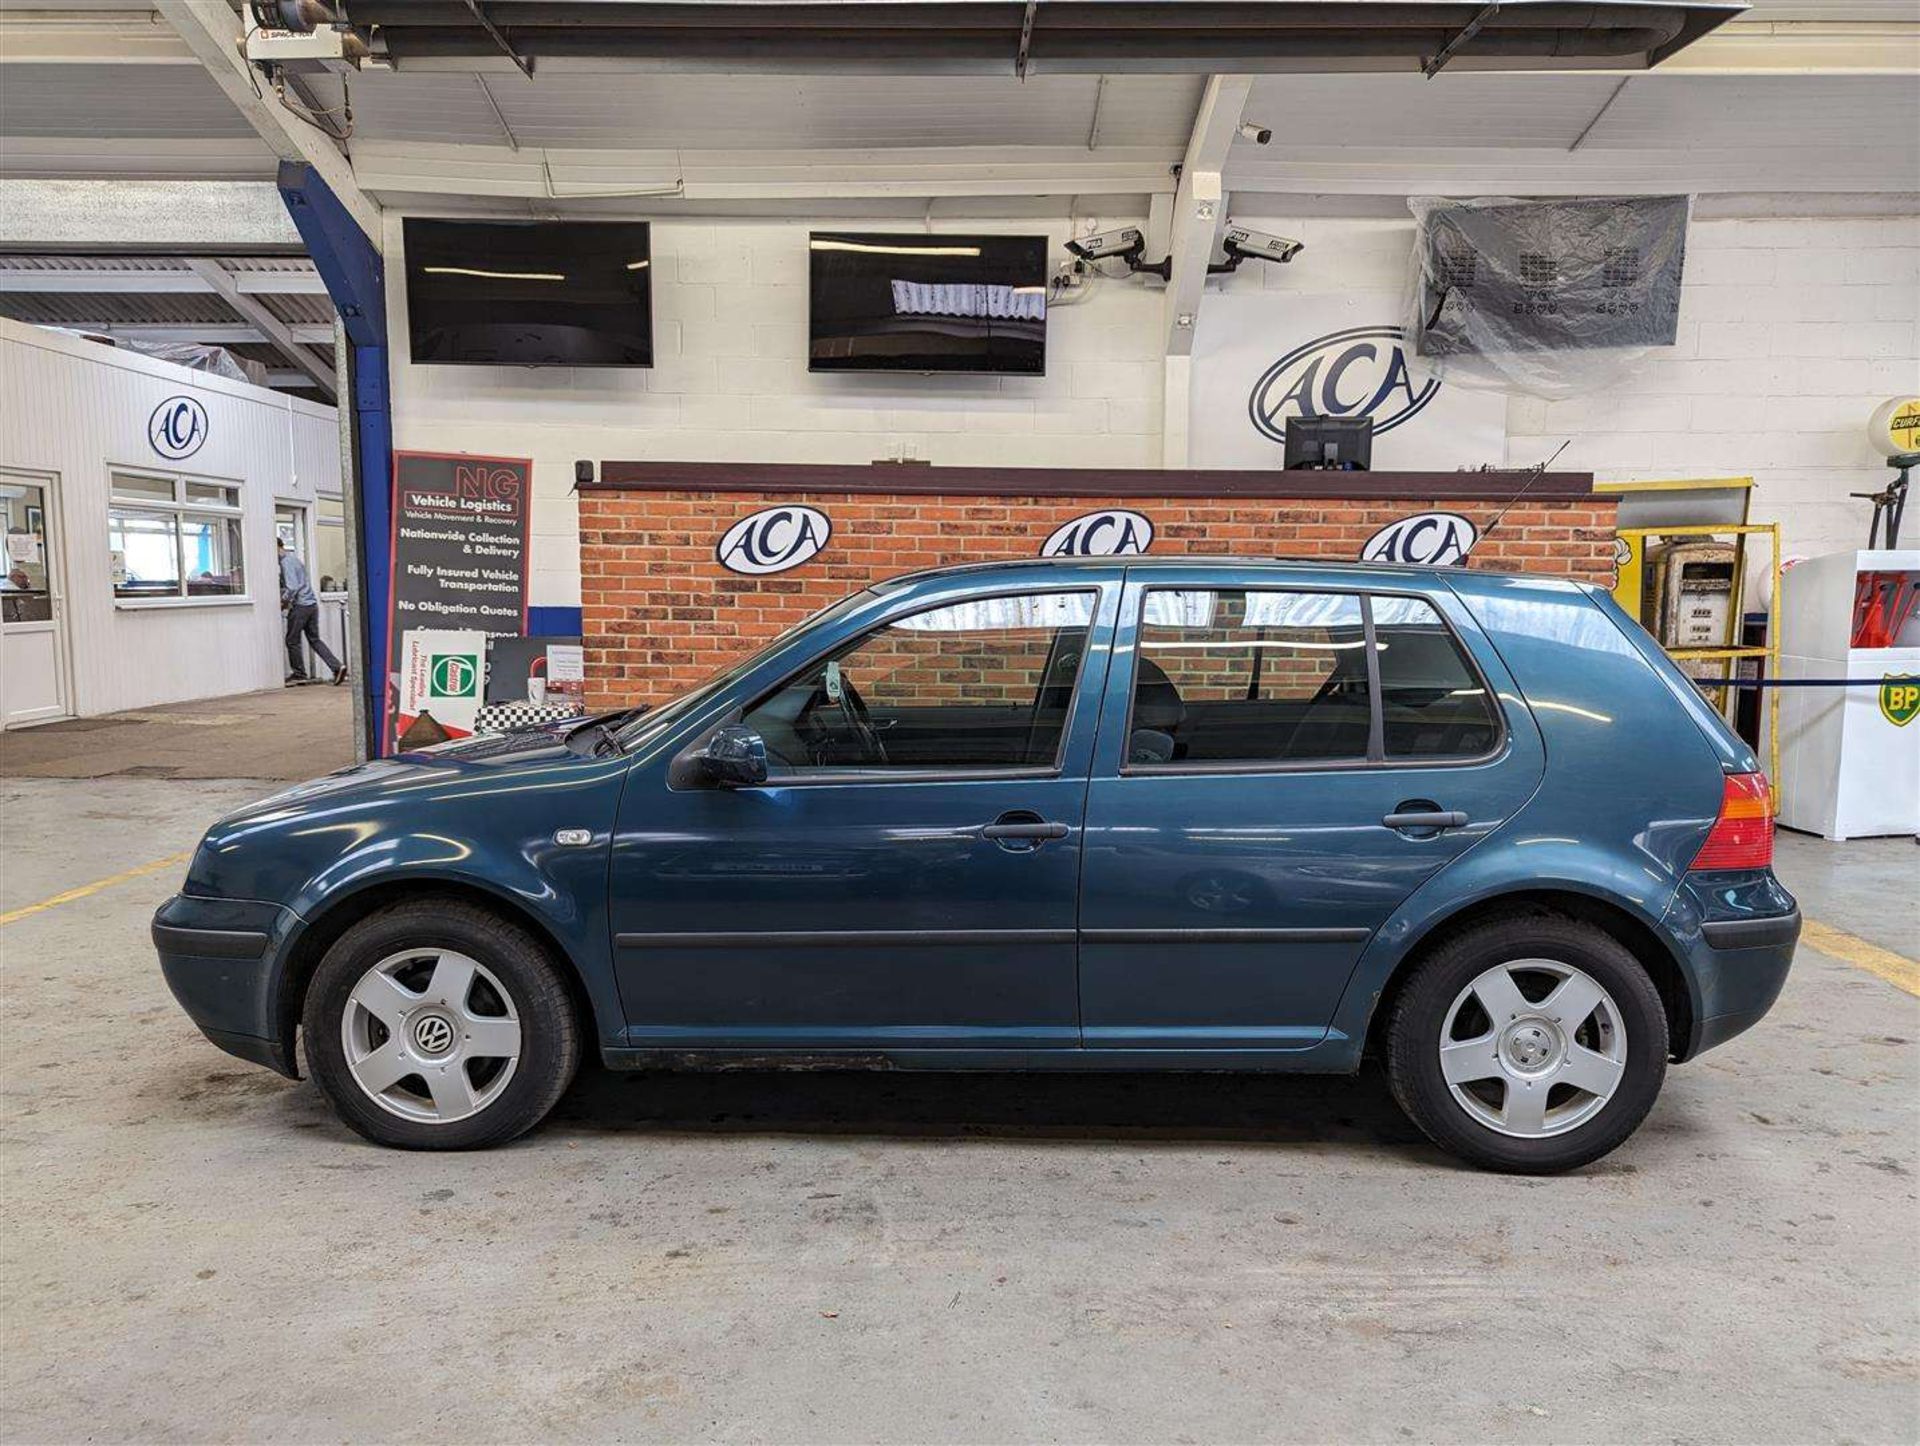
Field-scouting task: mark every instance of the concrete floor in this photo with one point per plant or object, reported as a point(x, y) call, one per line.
point(191, 1249)
point(285, 733)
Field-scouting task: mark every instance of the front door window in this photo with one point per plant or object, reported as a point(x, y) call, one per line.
point(983, 684)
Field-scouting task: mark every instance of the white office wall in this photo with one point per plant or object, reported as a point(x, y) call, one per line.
point(79, 409)
point(1792, 330)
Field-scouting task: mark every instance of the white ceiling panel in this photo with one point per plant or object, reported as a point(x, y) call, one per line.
point(1453, 109)
point(1517, 134)
point(1881, 10)
point(772, 112)
point(1771, 113)
point(179, 101)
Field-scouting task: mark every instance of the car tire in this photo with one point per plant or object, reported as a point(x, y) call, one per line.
point(1531, 1044)
point(438, 1025)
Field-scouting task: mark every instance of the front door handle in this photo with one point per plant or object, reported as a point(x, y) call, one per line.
point(1433, 818)
point(1034, 831)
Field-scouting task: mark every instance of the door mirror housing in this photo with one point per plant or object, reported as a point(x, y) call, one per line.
point(735, 757)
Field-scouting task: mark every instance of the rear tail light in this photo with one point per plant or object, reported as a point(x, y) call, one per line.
point(1742, 836)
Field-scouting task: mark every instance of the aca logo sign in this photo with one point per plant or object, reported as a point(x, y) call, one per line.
point(773, 540)
point(1359, 372)
point(1427, 539)
point(1113, 532)
point(177, 427)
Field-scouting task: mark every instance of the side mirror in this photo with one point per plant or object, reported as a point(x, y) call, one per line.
point(735, 757)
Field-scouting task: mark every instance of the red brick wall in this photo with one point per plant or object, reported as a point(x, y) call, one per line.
point(660, 613)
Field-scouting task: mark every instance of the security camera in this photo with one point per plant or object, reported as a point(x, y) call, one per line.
point(1260, 245)
point(1127, 241)
point(1256, 133)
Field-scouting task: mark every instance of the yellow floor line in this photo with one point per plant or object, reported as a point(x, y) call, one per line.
point(1896, 969)
point(157, 866)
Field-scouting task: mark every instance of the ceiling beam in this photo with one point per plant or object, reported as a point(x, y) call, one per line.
point(212, 33)
point(483, 172)
point(155, 281)
point(209, 333)
point(278, 333)
point(1199, 209)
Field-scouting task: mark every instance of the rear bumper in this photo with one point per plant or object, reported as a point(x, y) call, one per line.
point(1738, 956)
point(218, 957)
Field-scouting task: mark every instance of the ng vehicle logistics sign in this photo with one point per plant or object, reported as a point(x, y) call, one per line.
point(459, 557)
point(1272, 356)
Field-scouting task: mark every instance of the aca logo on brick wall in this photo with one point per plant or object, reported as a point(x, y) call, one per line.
point(773, 539)
point(177, 427)
point(1427, 539)
point(1359, 372)
point(1112, 532)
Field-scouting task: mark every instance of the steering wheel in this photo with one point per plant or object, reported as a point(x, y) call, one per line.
point(854, 708)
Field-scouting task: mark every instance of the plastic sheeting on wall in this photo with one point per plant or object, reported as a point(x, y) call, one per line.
point(214, 360)
point(1550, 298)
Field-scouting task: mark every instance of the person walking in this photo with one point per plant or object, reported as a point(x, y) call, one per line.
point(303, 618)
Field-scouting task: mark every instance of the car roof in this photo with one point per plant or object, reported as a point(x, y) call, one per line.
point(1165, 560)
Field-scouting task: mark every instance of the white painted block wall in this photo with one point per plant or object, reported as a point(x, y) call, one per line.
point(1791, 331)
point(730, 382)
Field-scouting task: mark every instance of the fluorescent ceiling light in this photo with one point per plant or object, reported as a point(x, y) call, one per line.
point(494, 275)
point(830, 245)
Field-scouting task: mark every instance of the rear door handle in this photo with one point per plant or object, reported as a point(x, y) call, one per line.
point(1024, 830)
point(1426, 818)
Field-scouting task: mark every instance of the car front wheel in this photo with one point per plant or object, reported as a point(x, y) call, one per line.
point(436, 1025)
point(1532, 1044)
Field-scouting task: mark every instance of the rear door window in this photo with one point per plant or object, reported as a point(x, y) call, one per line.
point(1435, 704)
point(1236, 675)
point(1250, 676)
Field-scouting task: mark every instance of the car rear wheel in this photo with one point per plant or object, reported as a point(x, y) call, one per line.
point(1532, 1044)
point(437, 1025)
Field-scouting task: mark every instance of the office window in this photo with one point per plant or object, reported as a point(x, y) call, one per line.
point(175, 538)
point(330, 545)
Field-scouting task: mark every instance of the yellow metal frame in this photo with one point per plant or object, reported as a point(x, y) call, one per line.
point(1770, 650)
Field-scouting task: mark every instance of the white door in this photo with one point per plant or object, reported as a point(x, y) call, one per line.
point(33, 648)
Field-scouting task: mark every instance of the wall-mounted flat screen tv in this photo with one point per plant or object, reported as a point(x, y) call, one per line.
point(529, 293)
point(917, 303)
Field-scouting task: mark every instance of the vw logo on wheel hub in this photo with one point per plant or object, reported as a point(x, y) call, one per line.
point(433, 1035)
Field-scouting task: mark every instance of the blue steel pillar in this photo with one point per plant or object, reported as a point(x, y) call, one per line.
point(348, 261)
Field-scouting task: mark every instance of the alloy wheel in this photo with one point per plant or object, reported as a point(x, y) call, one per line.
point(431, 1035)
point(1533, 1048)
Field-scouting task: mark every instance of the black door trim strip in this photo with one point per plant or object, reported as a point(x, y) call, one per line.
point(840, 939)
point(1225, 936)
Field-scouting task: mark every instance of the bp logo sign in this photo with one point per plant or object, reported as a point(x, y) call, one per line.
point(453, 675)
point(1900, 698)
point(1359, 372)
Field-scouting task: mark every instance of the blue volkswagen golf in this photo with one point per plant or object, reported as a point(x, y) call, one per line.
point(1140, 814)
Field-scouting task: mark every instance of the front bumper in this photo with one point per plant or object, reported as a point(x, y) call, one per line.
point(1739, 933)
point(219, 958)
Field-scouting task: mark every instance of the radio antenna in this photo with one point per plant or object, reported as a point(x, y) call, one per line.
point(1532, 477)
